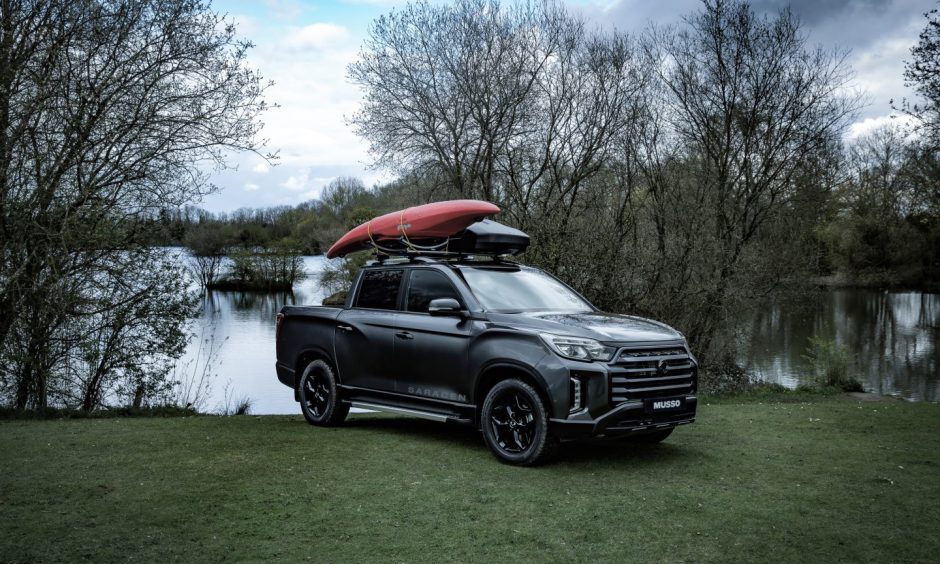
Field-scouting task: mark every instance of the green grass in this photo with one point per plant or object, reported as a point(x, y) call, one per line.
point(826, 480)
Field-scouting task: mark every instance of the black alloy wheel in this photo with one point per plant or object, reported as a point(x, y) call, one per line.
point(316, 395)
point(515, 424)
point(319, 395)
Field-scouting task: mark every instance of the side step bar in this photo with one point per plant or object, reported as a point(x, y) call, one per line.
point(440, 417)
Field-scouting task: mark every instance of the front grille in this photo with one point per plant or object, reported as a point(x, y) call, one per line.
point(651, 373)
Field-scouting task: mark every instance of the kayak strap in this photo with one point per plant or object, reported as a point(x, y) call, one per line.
point(412, 248)
point(404, 232)
point(369, 231)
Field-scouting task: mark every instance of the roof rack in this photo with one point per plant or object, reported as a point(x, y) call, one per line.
point(380, 258)
point(483, 238)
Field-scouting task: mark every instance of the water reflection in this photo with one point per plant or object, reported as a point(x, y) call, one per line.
point(240, 329)
point(892, 338)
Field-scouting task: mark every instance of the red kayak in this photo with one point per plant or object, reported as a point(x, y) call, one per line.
point(430, 221)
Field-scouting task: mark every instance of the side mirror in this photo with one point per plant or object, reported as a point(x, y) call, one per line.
point(445, 306)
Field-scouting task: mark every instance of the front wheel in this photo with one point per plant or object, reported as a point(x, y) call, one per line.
point(319, 395)
point(515, 424)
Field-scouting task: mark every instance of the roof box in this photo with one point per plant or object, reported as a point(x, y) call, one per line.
point(489, 237)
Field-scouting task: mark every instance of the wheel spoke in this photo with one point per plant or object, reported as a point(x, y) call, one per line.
point(499, 423)
point(517, 438)
point(526, 437)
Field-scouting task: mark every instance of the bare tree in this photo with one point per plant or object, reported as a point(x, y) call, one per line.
point(879, 183)
point(109, 110)
point(123, 346)
point(206, 244)
point(342, 194)
point(517, 104)
point(751, 103)
point(922, 73)
point(656, 175)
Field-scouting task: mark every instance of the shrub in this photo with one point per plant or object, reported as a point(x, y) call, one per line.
point(724, 378)
point(262, 269)
point(830, 361)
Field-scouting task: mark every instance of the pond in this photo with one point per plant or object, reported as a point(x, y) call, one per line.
point(234, 346)
point(893, 341)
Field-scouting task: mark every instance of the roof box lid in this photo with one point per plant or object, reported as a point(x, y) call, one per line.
point(489, 237)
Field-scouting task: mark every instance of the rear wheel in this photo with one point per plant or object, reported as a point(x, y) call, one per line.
point(319, 395)
point(515, 424)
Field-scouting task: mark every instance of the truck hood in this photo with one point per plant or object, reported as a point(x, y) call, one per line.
point(604, 327)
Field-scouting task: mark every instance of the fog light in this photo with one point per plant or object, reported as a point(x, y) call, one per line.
point(577, 400)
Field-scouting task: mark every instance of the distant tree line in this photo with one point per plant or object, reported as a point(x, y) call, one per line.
point(260, 249)
point(310, 227)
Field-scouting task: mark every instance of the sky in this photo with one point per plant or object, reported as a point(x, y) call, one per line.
point(304, 46)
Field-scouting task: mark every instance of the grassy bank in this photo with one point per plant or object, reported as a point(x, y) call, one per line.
point(830, 479)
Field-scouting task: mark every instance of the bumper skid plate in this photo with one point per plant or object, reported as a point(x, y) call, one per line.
point(627, 418)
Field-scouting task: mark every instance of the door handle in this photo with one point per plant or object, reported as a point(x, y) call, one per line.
point(404, 335)
point(346, 328)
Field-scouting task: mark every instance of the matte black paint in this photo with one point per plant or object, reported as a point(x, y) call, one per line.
point(444, 364)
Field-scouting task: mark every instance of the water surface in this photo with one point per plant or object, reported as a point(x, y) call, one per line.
point(892, 339)
point(235, 339)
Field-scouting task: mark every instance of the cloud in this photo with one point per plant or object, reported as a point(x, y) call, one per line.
point(877, 33)
point(261, 168)
point(315, 36)
point(375, 178)
point(251, 187)
point(308, 68)
point(246, 25)
point(867, 125)
point(879, 71)
point(297, 181)
point(284, 9)
point(372, 2)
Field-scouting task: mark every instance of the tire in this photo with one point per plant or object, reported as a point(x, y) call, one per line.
point(653, 438)
point(515, 424)
point(319, 396)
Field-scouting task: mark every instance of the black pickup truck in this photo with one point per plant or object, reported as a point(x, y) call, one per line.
point(491, 343)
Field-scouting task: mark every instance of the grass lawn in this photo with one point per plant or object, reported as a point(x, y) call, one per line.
point(825, 480)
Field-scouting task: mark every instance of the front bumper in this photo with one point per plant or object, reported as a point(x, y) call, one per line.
point(627, 418)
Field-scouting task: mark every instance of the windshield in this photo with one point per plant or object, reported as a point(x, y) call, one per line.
point(504, 290)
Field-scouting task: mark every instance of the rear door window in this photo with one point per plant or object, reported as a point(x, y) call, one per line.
point(379, 289)
point(427, 285)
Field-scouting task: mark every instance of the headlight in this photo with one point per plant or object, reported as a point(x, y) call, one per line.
point(578, 348)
